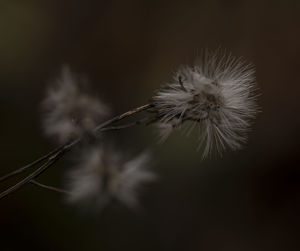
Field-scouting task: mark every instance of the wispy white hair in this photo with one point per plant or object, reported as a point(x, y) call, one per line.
point(217, 94)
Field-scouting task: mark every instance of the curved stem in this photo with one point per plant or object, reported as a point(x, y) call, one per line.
point(57, 154)
point(51, 188)
point(68, 146)
point(24, 168)
point(34, 174)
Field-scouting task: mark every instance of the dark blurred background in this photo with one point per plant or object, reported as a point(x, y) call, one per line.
point(246, 200)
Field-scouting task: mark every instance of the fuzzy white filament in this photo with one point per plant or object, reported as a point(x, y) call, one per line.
point(217, 94)
point(68, 111)
point(102, 175)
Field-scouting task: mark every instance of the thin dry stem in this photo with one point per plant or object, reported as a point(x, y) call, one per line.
point(73, 143)
point(57, 153)
point(24, 168)
point(51, 188)
point(33, 175)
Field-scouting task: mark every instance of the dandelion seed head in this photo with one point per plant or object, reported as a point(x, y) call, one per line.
point(68, 112)
point(217, 94)
point(103, 175)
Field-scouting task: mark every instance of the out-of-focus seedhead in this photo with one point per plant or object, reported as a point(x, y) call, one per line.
point(68, 112)
point(101, 175)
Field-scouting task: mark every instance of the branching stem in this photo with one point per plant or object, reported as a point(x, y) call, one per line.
point(57, 153)
point(24, 168)
point(34, 174)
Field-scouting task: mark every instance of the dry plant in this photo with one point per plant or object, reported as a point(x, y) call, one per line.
point(217, 96)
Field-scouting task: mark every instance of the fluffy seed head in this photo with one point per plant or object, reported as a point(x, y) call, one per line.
point(217, 94)
point(102, 175)
point(68, 111)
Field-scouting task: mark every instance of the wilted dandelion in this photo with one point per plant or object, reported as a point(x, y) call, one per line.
point(217, 94)
point(102, 175)
point(68, 111)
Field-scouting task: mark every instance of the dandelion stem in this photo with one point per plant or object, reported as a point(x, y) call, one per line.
point(24, 168)
point(51, 188)
point(57, 153)
point(145, 120)
point(122, 116)
point(34, 174)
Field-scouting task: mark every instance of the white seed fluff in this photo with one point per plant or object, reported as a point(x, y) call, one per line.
point(217, 94)
point(68, 111)
point(103, 175)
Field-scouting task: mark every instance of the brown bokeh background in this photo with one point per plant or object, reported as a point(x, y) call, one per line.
point(246, 200)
